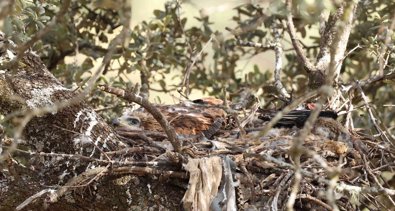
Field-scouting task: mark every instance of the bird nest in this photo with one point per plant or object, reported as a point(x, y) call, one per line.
point(254, 166)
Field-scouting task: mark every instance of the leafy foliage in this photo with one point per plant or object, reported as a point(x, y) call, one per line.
point(165, 45)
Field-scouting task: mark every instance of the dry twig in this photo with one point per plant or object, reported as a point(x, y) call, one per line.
point(131, 97)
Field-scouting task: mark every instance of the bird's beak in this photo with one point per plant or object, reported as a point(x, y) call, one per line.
point(115, 122)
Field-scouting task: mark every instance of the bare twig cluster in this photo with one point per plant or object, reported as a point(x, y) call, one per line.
point(132, 97)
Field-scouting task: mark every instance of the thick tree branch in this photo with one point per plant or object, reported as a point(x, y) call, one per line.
point(333, 44)
point(295, 42)
point(278, 50)
point(326, 39)
point(339, 46)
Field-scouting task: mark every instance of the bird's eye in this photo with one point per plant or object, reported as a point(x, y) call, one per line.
point(132, 121)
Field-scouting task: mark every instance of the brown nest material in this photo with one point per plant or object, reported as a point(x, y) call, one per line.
point(245, 169)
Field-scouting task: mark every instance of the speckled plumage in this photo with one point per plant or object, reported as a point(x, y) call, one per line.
point(325, 126)
point(187, 118)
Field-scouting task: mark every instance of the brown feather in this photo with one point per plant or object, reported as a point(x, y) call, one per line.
point(186, 118)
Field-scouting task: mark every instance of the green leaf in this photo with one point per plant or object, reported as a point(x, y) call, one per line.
point(159, 14)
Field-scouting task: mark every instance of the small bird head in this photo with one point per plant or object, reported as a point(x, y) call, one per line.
point(129, 122)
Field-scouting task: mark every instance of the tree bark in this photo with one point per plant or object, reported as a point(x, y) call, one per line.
point(52, 119)
point(333, 44)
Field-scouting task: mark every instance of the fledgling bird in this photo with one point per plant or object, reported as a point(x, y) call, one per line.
point(188, 118)
point(326, 125)
point(293, 118)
